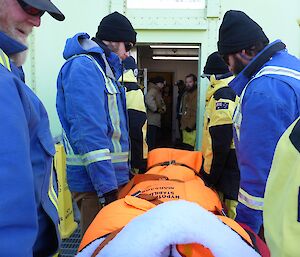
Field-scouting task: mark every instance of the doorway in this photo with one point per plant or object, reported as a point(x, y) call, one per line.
point(173, 62)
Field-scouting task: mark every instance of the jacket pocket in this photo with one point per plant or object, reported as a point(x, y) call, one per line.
point(46, 141)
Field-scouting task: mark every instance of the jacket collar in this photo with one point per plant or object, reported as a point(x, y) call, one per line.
point(9, 45)
point(255, 65)
point(216, 84)
point(113, 66)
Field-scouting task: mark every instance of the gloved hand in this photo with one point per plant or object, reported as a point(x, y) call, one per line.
point(206, 179)
point(110, 196)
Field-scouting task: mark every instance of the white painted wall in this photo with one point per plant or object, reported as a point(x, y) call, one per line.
point(47, 44)
point(278, 18)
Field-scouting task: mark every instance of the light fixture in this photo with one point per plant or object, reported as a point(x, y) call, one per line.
point(175, 46)
point(181, 58)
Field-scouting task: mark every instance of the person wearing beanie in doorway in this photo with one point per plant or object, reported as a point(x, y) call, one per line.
point(268, 83)
point(220, 169)
point(136, 115)
point(155, 107)
point(92, 110)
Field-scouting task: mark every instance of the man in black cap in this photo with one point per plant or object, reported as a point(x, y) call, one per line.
point(28, 209)
point(220, 169)
point(92, 110)
point(268, 84)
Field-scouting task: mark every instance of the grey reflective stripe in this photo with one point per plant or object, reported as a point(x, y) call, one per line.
point(253, 202)
point(4, 60)
point(114, 116)
point(276, 70)
point(112, 107)
point(88, 158)
point(119, 157)
point(67, 145)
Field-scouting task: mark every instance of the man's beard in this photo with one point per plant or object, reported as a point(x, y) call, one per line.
point(238, 66)
point(19, 58)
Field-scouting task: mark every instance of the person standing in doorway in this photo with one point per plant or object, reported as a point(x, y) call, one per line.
point(92, 110)
point(189, 113)
point(155, 107)
point(28, 207)
point(268, 83)
point(181, 87)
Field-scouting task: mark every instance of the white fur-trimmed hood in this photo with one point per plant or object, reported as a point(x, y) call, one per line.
point(171, 223)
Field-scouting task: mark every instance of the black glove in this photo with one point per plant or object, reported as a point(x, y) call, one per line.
point(110, 196)
point(206, 179)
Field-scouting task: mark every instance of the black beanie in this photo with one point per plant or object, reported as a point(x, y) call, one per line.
point(237, 32)
point(215, 65)
point(116, 27)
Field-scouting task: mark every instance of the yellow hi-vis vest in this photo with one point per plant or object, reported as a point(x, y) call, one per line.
point(281, 212)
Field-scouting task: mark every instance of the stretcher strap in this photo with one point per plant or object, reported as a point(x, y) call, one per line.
point(173, 162)
point(138, 179)
point(110, 237)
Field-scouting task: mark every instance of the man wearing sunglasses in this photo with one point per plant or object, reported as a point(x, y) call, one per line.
point(268, 83)
point(92, 110)
point(28, 206)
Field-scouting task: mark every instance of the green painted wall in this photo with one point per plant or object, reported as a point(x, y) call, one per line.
point(161, 26)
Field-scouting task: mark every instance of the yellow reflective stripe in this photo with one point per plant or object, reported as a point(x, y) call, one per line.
point(250, 201)
point(115, 120)
point(4, 60)
point(119, 157)
point(51, 192)
point(88, 158)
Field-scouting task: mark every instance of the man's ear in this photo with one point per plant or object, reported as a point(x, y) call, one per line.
point(245, 55)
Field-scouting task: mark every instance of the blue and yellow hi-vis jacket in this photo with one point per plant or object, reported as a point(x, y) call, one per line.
point(91, 106)
point(28, 206)
point(137, 121)
point(269, 90)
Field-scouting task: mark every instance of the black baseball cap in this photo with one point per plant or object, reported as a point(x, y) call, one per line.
point(47, 6)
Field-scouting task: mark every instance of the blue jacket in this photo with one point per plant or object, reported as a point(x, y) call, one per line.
point(28, 206)
point(269, 104)
point(92, 109)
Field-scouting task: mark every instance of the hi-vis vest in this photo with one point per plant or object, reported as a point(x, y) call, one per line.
point(117, 155)
point(282, 197)
point(172, 175)
point(4, 60)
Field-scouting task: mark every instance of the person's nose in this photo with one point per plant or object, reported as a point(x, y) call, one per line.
point(35, 20)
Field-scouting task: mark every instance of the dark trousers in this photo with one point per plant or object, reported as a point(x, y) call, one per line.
point(152, 132)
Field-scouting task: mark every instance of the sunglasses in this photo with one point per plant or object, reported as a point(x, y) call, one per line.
point(30, 9)
point(128, 46)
